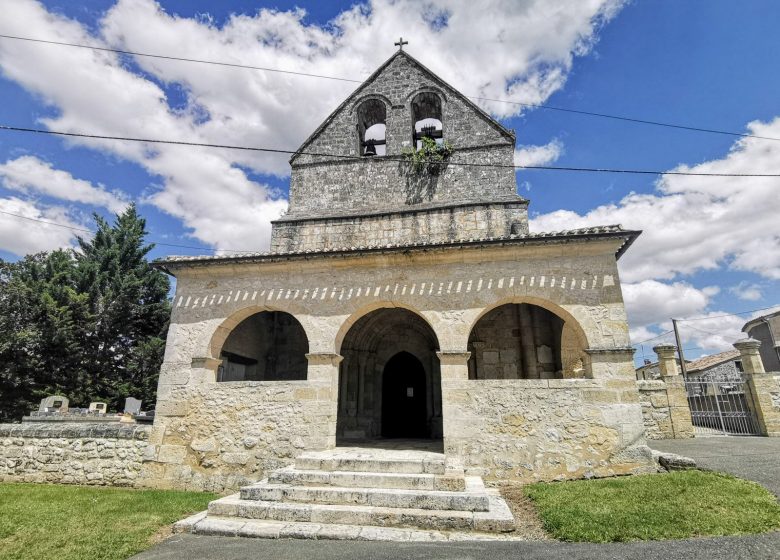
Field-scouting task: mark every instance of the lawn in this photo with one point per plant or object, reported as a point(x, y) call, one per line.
point(76, 522)
point(677, 505)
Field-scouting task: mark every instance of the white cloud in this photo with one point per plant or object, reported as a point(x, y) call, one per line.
point(539, 155)
point(697, 223)
point(30, 174)
point(747, 291)
point(23, 236)
point(650, 302)
point(465, 42)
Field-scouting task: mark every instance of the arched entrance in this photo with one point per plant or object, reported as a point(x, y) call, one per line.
point(404, 398)
point(389, 379)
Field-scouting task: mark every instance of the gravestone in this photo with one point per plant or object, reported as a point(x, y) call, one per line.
point(54, 403)
point(132, 405)
point(98, 407)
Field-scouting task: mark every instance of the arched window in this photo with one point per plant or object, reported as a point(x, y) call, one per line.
point(372, 116)
point(427, 119)
point(266, 346)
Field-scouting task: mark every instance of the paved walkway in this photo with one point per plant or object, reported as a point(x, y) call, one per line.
point(753, 458)
point(194, 547)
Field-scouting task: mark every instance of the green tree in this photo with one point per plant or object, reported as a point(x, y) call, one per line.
point(128, 301)
point(88, 324)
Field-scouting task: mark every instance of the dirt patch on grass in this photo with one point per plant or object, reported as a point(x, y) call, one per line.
point(528, 524)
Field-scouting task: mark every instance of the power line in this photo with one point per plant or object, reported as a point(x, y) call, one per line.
point(649, 339)
point(92, 231)
point(182, 59)
point(342, 79)
point(383, 159)
point(703, 318)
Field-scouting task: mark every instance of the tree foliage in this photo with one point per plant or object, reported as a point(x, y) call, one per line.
point(88, 324)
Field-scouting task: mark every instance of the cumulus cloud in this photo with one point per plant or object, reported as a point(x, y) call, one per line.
point(28, 174)
point(210, 190)
point(747, 291)
point(16, 237)
point(539, 155)
point(699, 223)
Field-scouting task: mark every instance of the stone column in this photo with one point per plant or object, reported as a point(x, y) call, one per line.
point(676, 394)
point(454, 390)
point(764, 387)
point(323, 373)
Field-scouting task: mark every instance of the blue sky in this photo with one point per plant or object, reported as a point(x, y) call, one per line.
point(711, 246)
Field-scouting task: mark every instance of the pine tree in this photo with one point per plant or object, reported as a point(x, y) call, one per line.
point(128, 300)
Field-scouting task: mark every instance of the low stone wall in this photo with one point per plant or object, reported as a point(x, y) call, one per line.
point(220, 436)
point(107, 454)
point(665, 410)
point(530, 430)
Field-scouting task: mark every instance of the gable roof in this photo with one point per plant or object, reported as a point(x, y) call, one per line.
point(509, 134)
point(711, 361)
point(758, 320)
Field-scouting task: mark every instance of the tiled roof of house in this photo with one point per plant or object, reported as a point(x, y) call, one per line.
point(559, 236)
point(710, 361)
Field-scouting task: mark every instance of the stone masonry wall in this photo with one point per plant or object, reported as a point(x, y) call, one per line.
point(548, 429)
point(433, 226)
point(65, 453)
point(348, 184)
point(665, 415)
point(224, 435)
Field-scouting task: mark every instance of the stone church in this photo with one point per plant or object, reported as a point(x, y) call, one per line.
point(401, 309)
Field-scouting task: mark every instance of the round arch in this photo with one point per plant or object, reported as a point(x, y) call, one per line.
point(526, 338)
point(258, 343)
point(365, 310)
point(370, 380)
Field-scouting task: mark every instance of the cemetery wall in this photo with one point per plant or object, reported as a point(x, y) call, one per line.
point(99, 454)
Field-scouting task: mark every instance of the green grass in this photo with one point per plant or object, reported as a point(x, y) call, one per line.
point(76, 522)
point(677, 505)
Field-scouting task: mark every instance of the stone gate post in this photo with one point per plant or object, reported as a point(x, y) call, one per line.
point(764, 387)
point(676, 394)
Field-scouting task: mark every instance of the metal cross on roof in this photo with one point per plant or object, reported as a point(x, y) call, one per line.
point(400, 44)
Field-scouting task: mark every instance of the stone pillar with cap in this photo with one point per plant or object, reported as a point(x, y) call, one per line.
point(764, 387)
point(667, 362)
point(676, 395)
point(751, 359)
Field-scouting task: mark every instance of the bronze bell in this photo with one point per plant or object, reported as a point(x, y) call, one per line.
point(370, 148)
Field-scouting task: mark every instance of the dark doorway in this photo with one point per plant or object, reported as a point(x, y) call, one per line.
point(404, 398)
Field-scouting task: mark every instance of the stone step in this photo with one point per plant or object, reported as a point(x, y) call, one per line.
point(454, 482)
point(473, 499)
point(200, 524)
point(497, 519)
point(408, 462)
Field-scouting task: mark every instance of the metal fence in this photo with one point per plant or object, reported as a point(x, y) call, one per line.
point(721, 407)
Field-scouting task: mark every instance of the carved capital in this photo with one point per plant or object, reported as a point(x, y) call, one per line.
point(324, 359)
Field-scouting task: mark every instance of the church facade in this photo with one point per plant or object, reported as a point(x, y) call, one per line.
point(402, 301)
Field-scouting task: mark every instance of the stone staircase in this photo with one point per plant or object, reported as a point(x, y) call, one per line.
point(360, 493)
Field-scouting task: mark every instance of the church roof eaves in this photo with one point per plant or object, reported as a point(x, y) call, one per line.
point(493, 122)
point(613, 231)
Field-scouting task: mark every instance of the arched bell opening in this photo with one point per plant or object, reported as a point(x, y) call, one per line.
point(389, 379)
point(372, 128)
point(266, 346)
point(427, 118)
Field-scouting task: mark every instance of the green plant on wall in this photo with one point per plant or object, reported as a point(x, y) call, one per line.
point(429, 158)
